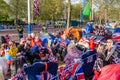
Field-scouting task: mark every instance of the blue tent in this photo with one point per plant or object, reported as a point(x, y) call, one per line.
point(45, 37)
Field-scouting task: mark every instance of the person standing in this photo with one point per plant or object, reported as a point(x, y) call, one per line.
point(20, 31)
point(89, 27)
point(44, 28)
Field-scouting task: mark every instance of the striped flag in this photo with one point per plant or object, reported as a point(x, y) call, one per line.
point(36, 7)
point(79, 73)
point(116, 36)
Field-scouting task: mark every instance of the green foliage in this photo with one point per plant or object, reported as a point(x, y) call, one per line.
point(76, 10)
point(4, 7)
point(18, 9)
point(51, 10)
point(112, 7)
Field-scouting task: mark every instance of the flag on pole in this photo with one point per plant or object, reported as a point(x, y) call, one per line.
point(87, 9)
point(36, 7)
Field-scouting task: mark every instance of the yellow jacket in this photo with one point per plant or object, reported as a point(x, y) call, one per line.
point(13, 51)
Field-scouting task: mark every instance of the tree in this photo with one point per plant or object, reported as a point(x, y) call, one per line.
point(50, 10)
point(18, 9)
point(4, 13)
point(75, 11)
point(110, 8)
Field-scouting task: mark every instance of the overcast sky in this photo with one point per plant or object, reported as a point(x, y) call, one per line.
point(72, 1)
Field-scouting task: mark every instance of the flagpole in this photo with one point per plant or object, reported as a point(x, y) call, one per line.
point(29, 18)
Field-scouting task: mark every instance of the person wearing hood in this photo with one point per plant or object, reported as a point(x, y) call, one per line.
point(89, 27)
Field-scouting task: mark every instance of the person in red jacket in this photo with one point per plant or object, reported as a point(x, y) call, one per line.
point(38, 41)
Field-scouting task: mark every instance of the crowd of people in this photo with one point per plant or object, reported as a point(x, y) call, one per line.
point(38, 56)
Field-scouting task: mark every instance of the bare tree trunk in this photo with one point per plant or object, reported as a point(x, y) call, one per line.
point(69, 13)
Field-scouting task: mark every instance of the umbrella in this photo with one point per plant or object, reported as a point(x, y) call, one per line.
point(109, 72)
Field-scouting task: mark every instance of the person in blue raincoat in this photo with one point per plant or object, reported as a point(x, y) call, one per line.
point(89, 27)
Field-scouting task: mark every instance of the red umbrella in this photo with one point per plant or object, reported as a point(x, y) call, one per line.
point(109, 72)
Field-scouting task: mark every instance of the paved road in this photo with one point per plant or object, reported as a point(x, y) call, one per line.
point(14, 35)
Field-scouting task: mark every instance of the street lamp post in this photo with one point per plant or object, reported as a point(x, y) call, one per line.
point(29, 18)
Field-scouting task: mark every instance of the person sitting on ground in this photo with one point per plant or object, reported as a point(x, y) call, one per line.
point(100, 30)
point(89, 27)
point(44, 55)
point(110, 49)
point(55, 46)
point(45, 45)
point(21, 51)
point(38, 41)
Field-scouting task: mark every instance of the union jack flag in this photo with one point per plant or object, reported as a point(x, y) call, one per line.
point(89, 59)
point(19, 76)
point(62, 43)
point(45, 76)
point(79, 73)
point(116, 36)
point(65, 72)
point(36, 7)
